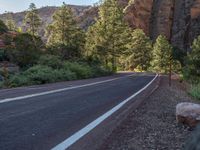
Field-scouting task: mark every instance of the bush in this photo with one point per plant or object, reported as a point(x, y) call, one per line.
point(50, 61)
point(100, 71)
point(195, 91)
point(64, 75)
point(82, 71)
point(45, 73)
point(40, 75)
point(19, 80)
point(1, 84)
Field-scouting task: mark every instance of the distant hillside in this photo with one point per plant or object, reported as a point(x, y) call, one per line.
point(84, 15)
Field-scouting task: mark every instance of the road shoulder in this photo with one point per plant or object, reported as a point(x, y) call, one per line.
point(153, 125)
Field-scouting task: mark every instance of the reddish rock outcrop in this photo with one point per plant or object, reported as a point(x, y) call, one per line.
point(138, 14)
point(179, 20)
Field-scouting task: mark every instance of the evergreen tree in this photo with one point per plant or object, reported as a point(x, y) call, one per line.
point(64, 33)
point(27, 50)
point(139, 52)
point(162, 54)
point(32, 20)
point(193, 62)
point(10, 23)
point(106, 38)
point(3, 27)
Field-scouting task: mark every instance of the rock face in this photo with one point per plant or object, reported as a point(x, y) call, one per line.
point(138, 14)
point(179, 20)
point(188, 113)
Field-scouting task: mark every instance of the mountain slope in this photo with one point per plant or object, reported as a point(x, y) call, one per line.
point(46, 16)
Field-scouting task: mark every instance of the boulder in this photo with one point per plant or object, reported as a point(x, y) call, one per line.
point(188, 113)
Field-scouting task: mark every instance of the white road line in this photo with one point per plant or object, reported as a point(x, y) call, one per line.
point(58, 90)
point(76, 136)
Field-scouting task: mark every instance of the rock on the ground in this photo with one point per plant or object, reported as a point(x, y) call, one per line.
point(188, 113)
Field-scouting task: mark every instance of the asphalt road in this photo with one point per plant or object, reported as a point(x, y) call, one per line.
point(42, 122)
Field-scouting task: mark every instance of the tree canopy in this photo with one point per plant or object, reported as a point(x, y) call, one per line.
point(32, 20)
point(27, 50)
point(64, 33)
point(3, 27)
point(106, 38)
point(162, 54)
point(139, 53)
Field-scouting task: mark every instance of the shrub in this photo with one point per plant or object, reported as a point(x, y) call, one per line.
point(64, 75)
point(19, 80)
point(100, 71)
point(82, 71)
point(41, 74)
point(50, 61)
point(195, 91)
point(1, 84)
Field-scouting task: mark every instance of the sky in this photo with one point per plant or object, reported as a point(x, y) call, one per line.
point(21, 5)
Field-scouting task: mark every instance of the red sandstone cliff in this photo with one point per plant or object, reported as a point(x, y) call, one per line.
point(179, 20)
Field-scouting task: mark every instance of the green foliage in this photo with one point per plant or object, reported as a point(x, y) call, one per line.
point(50, 61)
point(64, 36)
point(107, 38)
point(27, 50)
point(19, 80)
point(179, 55)
point(192, 70)
point(32, 20)
point(1, 84)
point(81, 71)
point(3, 27)
point(3, 55)
point(162, 55)
point(10, 23)
point(195, 91)
point(41, 74)
point(139, 53)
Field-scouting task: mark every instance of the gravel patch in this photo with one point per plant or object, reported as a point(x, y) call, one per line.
point(153, 126)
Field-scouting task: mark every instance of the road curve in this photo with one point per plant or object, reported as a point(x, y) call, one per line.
point(43, 121)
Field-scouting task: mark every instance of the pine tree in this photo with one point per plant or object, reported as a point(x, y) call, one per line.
point(193, 63)
point(3, 27)
point(64, 33)
point(10, 23)
point(139, 54)
point(32, 20)
point(106, 38)
point(162, 54)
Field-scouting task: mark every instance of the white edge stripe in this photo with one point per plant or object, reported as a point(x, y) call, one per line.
point(58, 90)
point(75, 137)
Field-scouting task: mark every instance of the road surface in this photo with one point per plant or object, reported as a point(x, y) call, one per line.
point(43, 121)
